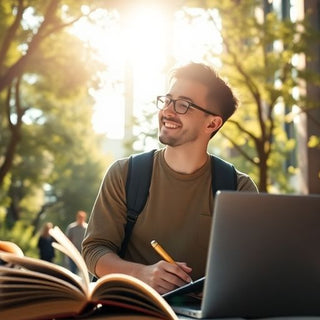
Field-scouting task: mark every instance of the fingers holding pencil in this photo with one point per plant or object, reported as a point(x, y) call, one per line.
point(162, 252)
point(169, 259)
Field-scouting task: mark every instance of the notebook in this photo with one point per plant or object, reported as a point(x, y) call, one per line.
point(263, 259)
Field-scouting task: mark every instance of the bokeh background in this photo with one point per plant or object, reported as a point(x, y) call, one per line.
point(78, 80)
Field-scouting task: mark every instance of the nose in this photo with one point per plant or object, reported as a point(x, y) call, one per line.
point(169, 107)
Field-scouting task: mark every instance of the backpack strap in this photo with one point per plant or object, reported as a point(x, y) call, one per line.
point(137, 191)
point(224, 176)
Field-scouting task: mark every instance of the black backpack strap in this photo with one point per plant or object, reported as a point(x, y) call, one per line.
point(137, 191)
point(224, 176)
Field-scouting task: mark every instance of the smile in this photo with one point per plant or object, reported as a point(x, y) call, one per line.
point(170, 125)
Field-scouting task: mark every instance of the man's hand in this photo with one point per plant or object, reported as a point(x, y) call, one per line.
point(8, 246)
point(164, 276)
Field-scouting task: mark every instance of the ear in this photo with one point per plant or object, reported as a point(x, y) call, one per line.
point(215, 123)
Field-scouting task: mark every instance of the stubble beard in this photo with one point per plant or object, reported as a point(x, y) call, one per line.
point(175, 141)
point(168, 141)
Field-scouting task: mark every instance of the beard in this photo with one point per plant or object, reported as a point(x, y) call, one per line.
point(169, 141)
point(165, 135)
point(174, 140)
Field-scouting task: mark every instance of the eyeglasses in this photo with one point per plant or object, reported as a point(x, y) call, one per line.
point(180, 106)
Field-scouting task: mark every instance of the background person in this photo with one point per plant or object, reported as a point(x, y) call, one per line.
point(179, 208)
point(46, 250)
point(75, 232)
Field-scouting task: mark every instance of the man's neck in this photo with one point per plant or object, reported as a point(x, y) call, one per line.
point(183, 160)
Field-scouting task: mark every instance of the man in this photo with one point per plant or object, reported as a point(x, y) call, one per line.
point(179, 208)
point(75, 232)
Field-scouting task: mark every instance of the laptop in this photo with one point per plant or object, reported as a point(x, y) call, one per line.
point(263, 259)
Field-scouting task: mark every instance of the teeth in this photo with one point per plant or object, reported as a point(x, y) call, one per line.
point(170, 125)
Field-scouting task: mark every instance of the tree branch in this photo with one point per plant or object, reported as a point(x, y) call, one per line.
point(18, 67)
point(239, 149)
point(10, 34)
point(14, 128)
point(243, 129)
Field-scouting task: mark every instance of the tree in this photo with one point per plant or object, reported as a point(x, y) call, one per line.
point(45, 109)
point(259, 58)
point(32, 34)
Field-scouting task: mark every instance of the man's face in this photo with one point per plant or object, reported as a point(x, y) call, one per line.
point(81, 218)
point(178, 129)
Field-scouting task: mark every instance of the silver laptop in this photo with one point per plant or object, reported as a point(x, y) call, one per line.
point(263, 259)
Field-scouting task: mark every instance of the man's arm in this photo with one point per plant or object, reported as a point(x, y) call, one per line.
point(245, 183)
point(162, 276)
point(105, 233)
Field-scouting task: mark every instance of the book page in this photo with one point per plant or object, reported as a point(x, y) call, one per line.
point(16, 276)
point(44, 268)
point(35, 295)
point(66, 246)
point(43, 309)
point(124, 290)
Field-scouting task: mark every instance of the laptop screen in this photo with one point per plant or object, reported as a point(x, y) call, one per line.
point(263, 260)
point(264, 256)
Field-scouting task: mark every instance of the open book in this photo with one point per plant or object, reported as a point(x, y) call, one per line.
point(37, 289)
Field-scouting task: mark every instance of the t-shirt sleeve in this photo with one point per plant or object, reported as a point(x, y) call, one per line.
point(105, 229)
point(245, 183)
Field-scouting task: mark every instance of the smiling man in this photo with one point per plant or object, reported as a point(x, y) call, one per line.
point(179, 208)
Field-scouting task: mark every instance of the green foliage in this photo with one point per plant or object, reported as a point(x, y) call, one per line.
point(260, 50)
point(57, 164)
point(146, 132)
point(314, 142)
point(22, 235)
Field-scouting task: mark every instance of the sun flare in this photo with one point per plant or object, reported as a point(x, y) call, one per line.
point(141, 44)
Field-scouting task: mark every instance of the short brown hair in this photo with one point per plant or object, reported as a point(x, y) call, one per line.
point(220, 95)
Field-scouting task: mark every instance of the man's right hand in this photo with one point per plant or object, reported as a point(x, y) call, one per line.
point(162, 276)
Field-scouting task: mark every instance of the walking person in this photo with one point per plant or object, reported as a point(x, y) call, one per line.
point(75, 232)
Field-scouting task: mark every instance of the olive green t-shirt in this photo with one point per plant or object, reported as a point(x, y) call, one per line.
point(177, 214)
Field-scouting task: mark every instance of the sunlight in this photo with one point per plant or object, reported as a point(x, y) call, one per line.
point(144, 42)
point(145, 37)
point(195, 35)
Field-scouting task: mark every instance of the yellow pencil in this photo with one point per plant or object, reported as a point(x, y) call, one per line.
point(162, 252)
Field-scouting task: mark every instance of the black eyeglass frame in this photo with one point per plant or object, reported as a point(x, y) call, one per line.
point(190, 104)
